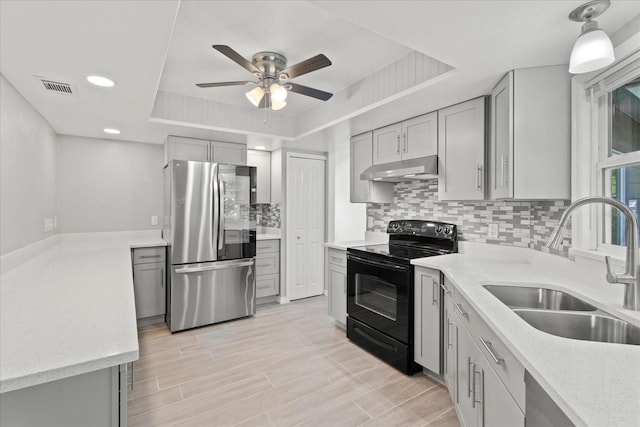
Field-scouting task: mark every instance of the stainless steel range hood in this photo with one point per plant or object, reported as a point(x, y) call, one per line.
point(404, 170)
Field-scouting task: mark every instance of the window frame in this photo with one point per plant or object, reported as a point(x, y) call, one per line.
point(590, 159)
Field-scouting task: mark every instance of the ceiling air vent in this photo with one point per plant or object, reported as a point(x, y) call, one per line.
point(53, 86)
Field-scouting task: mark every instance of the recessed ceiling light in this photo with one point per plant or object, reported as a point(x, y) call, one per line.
point(112, 131)
point(261, 147)
point(100, 81)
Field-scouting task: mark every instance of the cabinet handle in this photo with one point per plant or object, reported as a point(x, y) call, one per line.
point(503, 164)
point(132, 378)
point(444, 288)
point(449, 325)
point(406, 148)
point(479, 178)
point(459, 308)
point(150, 256)
point(162, 278)
point(397, 144)
point(474, 398)
point(469, 363)
point(487, 346)
point(434, 294)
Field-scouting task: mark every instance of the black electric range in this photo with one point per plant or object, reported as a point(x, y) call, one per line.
point(380, 288)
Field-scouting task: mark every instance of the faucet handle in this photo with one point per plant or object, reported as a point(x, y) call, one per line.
point(611, 277)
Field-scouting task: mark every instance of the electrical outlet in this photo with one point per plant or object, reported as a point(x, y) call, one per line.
point(492, 231)
point(55, 222)
point(48, 224)
point(154, 220)
point(369, 222)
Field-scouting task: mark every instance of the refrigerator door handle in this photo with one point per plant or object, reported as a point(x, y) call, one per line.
point(221, 214)
point(187, 270)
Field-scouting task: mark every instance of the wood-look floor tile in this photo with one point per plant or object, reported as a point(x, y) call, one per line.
point(293, 371)
point(248, 407)
point(416, 411)
point(142, 388)
point(184, 410)
point(153, 401)
point(346, 415)
point(173, 367)
point(261, 420)
point(448, 419)
point(374, 403)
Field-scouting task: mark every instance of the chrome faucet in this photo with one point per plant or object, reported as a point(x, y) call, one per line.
point(631, 276)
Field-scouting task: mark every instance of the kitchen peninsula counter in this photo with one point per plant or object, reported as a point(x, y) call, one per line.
point(69, 309)
point(594, 383)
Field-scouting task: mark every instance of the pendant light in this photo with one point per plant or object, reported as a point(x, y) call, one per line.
point(593, 49)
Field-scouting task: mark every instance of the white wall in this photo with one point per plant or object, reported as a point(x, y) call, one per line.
point(27, 171)
point(108, 185)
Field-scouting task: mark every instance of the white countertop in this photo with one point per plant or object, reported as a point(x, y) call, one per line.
point(594, 383)
point(370, 238)
point(70, 309)
point(267, 236)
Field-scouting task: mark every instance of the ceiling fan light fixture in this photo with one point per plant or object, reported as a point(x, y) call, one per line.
point(278, 93)
point(278, 105)
point(593, 50)
point(255, 95)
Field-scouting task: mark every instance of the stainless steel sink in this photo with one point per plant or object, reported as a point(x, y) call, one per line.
point(537, 297)
point(582, 326)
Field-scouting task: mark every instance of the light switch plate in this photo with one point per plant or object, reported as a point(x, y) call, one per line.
point(492, 231)
point(154, 220)
point(48, 224)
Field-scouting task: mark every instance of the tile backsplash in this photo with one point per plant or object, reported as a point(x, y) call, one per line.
point(525, 224)
point(266, 215)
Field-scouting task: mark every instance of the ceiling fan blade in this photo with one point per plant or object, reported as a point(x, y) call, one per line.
point(309, 91)
point(265, 102)
point(312, 64)
point(237, 58)
point(219, 84)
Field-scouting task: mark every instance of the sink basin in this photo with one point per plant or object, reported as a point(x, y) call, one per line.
point(582, 326)
point(539, 298)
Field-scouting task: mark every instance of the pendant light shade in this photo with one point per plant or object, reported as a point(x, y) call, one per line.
point(277, 105)
point(255, 95)
point(593, 49)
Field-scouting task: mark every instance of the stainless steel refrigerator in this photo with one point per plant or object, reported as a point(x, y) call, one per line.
point(212, 242)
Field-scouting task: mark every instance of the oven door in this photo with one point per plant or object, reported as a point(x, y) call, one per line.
point(379, 295)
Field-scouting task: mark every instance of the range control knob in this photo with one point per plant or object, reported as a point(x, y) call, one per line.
point(447, 230)
point(439, 229)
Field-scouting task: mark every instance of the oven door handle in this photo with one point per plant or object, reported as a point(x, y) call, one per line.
point(376, 263)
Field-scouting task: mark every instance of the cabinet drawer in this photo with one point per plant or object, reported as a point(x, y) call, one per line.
point(337, 257)
point(264, 246)
point(267, 285)
point(147, 255)
point(509, 369)
point(268, 263)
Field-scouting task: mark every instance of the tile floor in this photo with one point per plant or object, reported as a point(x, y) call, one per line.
point(289, 365)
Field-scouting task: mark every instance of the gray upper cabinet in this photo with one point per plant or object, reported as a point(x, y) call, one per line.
point(180, 148)
point(262, 161)
point(462, 135)
point(363, 191)
point(530, 148)
point(416, 137)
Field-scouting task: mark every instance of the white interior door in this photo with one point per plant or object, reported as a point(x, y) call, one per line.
point(305, 226)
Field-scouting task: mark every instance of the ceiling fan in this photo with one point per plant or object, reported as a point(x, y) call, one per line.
point(273, 77)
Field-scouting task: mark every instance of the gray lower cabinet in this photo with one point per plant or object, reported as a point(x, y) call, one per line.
point(485, 380)
point(267, 268)
point(97, 398)
point(337, 284)
point(426, 347)
point(149, 282)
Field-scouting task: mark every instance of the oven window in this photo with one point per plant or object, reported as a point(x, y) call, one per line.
point(377, 296)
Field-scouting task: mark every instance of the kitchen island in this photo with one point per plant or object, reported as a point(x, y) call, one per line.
point(593, 383)
point(68, 312)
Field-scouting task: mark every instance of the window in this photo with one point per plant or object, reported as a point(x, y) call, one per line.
point(606, 151)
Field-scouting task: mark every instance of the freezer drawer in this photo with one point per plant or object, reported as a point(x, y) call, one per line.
point(206, 293)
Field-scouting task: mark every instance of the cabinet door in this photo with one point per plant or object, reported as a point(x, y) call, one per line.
point(338, 293)
point(427, 319)
point(461, 151)
point(267, 285)
point(149, 289)
point(363, 191)
point(420, 136)
point(262, 161)
point(187, 149)
point(495, 405)
point(229, 153)
point(386, 144)
point(501, 147)
point(466, 379)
